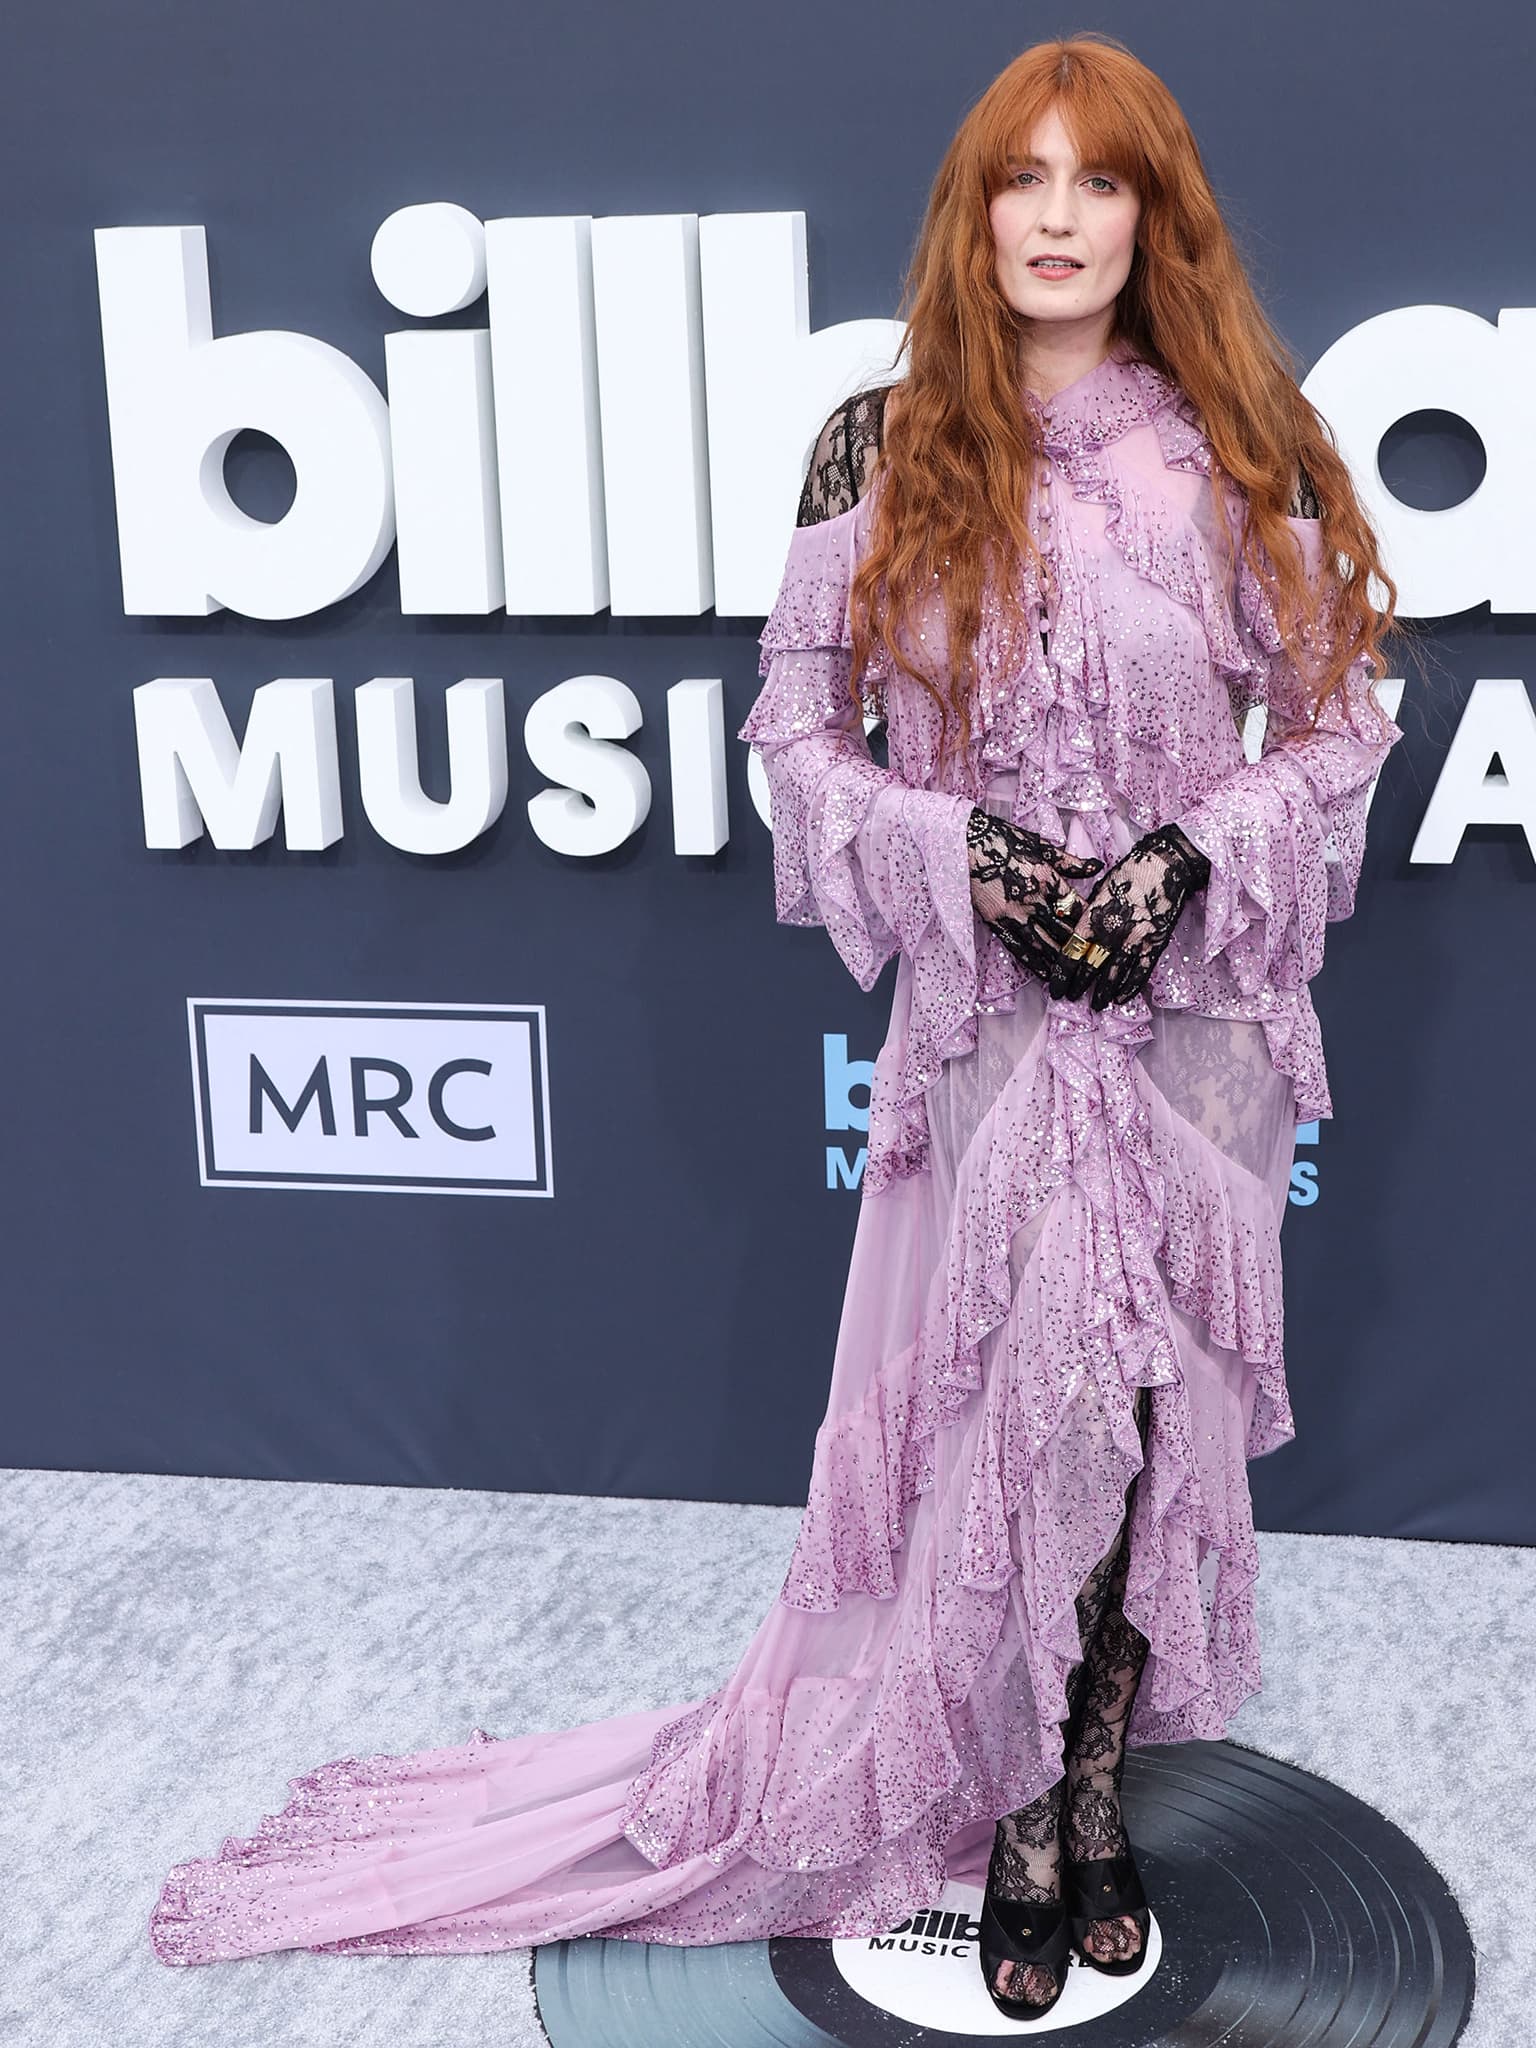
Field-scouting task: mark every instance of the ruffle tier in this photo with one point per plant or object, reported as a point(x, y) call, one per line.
point(1168, 1214)
point(885, 868)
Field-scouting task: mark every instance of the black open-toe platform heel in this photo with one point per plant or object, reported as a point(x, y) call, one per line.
point(1024, 1933)
point(1104, 1888)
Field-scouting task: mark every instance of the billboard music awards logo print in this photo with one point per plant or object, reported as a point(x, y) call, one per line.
point(840, 1077)
point(926, 1972)
point(845, 1087)
point(1304, 1187)
point(392, 1098)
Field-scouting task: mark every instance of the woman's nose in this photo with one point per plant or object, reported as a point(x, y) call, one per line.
point(1059, 215)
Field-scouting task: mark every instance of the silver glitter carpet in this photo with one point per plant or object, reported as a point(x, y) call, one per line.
point(173, 1650)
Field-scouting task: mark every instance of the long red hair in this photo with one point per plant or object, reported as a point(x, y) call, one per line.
point(960, 449)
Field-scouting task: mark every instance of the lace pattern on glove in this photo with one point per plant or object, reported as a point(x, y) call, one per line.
point(1132, 912)
point(1022, 888)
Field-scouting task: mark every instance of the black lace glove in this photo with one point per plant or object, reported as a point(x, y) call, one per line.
point(1132, 911)
point(1019, 888)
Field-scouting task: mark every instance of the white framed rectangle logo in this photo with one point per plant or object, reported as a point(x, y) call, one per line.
point(385, 1098)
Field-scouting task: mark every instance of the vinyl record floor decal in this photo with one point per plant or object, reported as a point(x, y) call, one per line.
point(1285, 1914)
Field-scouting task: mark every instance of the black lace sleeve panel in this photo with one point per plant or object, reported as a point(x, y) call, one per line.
point(844, 455)
point(1305, 503)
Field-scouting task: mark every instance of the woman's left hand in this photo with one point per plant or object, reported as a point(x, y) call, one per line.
point(1132, 911)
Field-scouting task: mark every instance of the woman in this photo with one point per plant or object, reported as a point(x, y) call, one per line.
point(1091, 1112)
point(1029, 1540)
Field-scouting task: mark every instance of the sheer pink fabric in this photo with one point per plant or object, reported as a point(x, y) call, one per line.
point(1059, 1207)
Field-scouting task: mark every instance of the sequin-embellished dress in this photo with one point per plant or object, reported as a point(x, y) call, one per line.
point(1058, 1208)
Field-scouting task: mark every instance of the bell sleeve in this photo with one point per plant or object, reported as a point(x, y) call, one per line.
point(1285, 835)
point(883, 865)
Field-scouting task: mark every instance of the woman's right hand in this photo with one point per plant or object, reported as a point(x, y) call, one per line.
point(1020, 888)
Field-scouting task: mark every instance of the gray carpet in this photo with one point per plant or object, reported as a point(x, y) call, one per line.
point(174, 1650)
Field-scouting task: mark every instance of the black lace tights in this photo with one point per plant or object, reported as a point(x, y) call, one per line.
point(1101, 1690)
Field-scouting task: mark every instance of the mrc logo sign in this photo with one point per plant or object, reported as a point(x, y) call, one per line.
point(397, 1098)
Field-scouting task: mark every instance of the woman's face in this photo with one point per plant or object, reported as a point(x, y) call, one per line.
point(1054, 206)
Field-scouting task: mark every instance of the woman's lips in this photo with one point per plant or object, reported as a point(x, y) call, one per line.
point(1054, 269)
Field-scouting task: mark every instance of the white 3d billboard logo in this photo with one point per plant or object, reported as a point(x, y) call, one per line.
point(605, 471)
point(571, 455)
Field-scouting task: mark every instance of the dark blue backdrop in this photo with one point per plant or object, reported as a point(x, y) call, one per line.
point(663, 1326)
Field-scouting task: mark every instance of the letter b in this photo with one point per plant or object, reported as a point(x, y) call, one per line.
point(176, 398)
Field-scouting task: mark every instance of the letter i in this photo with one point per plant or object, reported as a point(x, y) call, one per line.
point(429, 260)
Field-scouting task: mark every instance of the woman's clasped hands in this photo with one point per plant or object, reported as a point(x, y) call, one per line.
point(1021, 885)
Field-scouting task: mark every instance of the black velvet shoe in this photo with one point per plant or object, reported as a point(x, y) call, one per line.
point(1023, 1932)
point(1103, 1888)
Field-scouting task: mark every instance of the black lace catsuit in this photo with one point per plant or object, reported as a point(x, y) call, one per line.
point(1017, 872)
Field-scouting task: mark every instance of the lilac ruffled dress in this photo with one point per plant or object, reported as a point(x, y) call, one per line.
point(1058, 1208)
